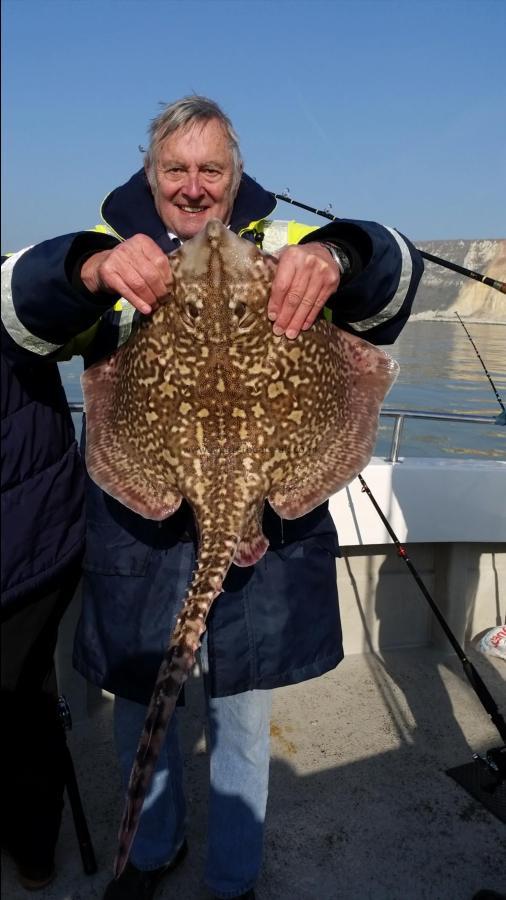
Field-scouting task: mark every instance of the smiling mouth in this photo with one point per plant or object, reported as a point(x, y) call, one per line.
point(192, 209)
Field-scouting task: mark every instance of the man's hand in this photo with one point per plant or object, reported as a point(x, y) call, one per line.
point(136, 269)
point(305, 278)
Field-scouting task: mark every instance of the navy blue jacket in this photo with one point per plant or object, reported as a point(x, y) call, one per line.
point(42, 507)
point(276, 622)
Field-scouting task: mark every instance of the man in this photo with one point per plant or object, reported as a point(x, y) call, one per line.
point(275, 623)
point(42, 534)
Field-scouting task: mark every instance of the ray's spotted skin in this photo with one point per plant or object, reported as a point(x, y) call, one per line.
point(205, 403)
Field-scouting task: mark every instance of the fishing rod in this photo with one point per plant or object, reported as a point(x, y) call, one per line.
point(76, 806)
point(501, 419)
point(478, 685)
point(484, 279)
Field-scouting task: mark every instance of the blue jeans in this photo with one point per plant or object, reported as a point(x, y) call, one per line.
point(238, 738)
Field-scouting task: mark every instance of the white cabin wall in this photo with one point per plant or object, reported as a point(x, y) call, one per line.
point(382, 607)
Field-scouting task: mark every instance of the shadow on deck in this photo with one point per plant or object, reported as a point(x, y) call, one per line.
point(360, 805)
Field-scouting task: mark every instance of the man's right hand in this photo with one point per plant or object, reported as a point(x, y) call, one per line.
point(136, 269)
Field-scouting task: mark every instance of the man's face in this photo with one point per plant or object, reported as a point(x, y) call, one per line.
point(193, 178)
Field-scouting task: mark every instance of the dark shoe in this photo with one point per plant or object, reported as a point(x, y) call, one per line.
point(489, 895)
point(134, 884)
point(34, 878)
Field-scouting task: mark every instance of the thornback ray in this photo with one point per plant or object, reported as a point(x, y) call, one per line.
point(205, 403)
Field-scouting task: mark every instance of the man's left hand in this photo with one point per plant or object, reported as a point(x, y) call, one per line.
point(305, 278)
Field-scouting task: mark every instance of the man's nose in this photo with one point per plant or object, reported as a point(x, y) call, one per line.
point(192, 186)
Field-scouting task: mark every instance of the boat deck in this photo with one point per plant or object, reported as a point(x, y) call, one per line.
point(360, 805)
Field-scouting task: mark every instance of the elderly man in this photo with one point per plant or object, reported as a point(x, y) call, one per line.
point(276, 623)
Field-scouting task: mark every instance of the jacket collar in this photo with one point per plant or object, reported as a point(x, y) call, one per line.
point(129, 209)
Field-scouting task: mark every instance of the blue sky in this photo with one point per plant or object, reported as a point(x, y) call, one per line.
point(393, 110)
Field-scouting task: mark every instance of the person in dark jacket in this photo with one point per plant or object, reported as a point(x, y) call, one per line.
point(276, 623)
point(42, 536)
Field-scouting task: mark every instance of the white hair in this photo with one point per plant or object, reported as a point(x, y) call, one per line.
point(182, 114)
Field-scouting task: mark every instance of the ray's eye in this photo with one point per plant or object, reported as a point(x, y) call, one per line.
point(239, 310)
point(193, 310)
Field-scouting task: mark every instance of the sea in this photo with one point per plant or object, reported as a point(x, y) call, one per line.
point(439, 372)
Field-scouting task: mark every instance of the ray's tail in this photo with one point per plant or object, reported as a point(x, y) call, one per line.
point(215, 557)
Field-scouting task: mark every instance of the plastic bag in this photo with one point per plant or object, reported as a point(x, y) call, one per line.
point(493, 642)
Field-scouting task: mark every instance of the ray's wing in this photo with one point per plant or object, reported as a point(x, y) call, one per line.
point(350, 399)
point(111, 458)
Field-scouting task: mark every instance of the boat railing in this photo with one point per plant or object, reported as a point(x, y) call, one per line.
point(399, 416)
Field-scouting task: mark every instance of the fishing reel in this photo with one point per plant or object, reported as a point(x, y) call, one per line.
point(64, 714)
